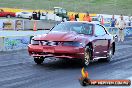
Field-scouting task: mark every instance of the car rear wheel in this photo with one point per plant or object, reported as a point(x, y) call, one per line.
point(38, 60)
point(86, 60)
point(8, 16)
point(110, 54)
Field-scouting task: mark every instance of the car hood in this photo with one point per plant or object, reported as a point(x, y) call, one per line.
point(59, 36)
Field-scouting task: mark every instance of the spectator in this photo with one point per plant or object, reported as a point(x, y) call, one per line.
point(99, 17)
point(102, 20)
point(46, 16)
point(43, 14)
point(63, 18)
point(84, 17)
point(129, 21)
point(121, 26)
point(33, 15)
point(72, 18)
point(77, 17)
point(112, 23)
point(38, 15)
point(87, 17)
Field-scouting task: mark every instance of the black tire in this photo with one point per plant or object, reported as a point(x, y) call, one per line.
point(30, 17)
point(19, 16)
point(83, 81)
point(86, 59)
point(39, 60)
point(8, 16)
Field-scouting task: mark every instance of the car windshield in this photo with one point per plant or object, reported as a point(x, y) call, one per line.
point(80, 28)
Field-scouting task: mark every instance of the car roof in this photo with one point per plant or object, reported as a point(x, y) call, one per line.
point(79, 22)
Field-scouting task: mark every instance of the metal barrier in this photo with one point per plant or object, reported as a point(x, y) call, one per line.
point(26, 24)
point(114, 30)
point(46, 24)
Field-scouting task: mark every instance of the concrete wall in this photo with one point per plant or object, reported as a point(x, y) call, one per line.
point(14, 43)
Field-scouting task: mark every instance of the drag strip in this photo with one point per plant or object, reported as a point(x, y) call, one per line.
point(18, 70)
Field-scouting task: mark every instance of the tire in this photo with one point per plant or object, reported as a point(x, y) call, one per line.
point(19, 16)
point(109, 55)
point(83, 81)
point(8, 16)
point(86, 59)
point(39, 60)
point(30, 18)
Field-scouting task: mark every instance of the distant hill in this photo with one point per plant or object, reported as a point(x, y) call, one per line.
point(93, 6)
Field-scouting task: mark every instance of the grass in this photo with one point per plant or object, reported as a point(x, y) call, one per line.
point(93, 6)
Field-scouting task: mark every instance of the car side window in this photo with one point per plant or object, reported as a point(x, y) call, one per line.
point(99, 30)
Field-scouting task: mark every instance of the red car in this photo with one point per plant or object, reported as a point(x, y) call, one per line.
point(73, 40)
point(6, 14)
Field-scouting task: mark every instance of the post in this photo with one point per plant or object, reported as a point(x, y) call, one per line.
point(34, 25)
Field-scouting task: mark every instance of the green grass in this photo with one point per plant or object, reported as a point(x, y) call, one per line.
point(93, 6)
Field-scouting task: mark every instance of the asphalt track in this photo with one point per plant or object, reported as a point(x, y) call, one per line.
point(18, 70)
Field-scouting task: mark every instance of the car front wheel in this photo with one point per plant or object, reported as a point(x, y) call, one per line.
point(109, 56)
point(38, 60)
point(86, 59)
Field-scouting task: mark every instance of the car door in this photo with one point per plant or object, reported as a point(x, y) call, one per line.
point(100, 42)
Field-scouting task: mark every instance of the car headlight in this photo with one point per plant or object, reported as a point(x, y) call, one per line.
point(34, 42)
point(76, 44)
